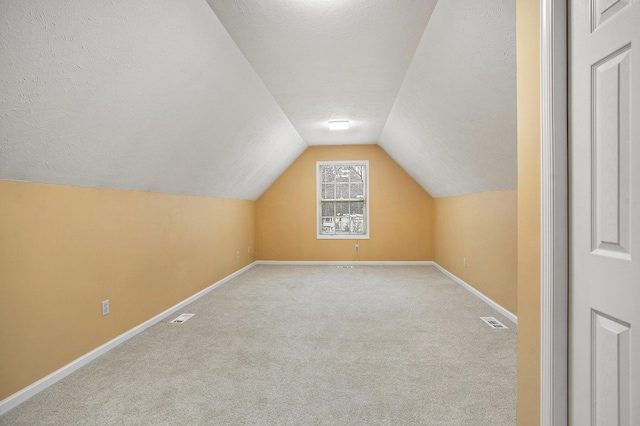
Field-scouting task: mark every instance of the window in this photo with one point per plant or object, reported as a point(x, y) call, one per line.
point(343, 199)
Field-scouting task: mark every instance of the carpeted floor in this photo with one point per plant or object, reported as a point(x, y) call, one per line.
point(303, 345)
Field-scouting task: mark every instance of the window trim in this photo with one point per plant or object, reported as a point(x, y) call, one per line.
point(367, 217)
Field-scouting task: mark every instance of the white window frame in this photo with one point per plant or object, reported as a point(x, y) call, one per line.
point(367, 218)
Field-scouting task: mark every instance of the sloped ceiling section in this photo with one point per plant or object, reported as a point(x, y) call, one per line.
point(453, 124)
point(329, 59)
point(143, 95)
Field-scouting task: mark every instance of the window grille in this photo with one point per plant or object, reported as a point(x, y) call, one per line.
point(343, 199)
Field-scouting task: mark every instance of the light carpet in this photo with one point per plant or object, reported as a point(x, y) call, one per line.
point(303, 345)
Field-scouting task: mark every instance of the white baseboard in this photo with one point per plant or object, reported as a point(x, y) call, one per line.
point(341, 262)
point(26, 393)
point(510, 316)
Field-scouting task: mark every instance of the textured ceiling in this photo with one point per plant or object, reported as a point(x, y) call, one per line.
point(146, 95)
point(453, 125)
point(169, 96)
point(329, 59)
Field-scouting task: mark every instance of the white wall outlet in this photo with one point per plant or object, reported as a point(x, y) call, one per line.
point(249, 249)
point(105, 307)
point(357, 247)
point(238, 254)
point(464, 262)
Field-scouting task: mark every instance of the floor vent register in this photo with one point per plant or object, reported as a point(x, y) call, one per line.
point(493, 323)
point(182, 318)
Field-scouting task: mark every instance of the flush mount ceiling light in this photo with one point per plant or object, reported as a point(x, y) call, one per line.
point(339, 125)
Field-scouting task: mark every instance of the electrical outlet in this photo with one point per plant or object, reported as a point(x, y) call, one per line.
point(464, 262)
point(357, 247)
point(249, 249)
point(238, 254)
point(105, 307)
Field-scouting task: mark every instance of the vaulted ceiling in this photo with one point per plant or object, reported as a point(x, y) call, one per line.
point(219, 98)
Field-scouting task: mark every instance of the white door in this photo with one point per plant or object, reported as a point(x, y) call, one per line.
point(604, 314)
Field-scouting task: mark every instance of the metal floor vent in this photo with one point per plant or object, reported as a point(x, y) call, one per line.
point(345, 266)
point(493, 323)
point(182, 318)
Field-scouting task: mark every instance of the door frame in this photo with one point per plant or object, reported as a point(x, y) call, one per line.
point(554, 253)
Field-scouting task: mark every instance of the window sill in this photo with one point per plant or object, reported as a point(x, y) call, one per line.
point(342, 237)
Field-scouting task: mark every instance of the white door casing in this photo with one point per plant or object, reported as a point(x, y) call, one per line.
point(553, 215)
point(604, 174)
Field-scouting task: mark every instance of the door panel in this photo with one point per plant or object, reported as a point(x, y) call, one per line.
point(602, 10)
point(604, 146)
point(610, 371)
point(610, 157)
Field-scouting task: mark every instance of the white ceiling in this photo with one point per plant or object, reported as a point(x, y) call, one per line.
point(147, 95)
point(158, 95)
point(329, 59)
point(453, 125)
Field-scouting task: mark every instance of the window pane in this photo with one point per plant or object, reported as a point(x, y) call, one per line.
point(357, 174)
point(342, 174)
point(328, 225)
point(328, 174)
point(357, 225)
point(342, 225)
point(343, 191)
point(342, 208)
point(328, 209)
point(357, 190)
point(357, 208)
point(329, 191)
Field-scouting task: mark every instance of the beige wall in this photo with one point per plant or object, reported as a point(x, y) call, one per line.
point(528, 70)
point(483, 229)
point(401, 212)
point(65, 249)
